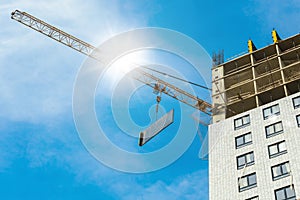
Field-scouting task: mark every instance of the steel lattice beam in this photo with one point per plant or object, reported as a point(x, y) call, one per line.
point(53, 32)
point(161, 86)
point(91, 51)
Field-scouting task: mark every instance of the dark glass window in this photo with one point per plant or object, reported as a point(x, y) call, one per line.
point(271, 111)
point(286, 193)
point(277, 149)
point(296, 102)
point(274, 129)
point(280, 171)
point(241, 122)
point(245, 160)
point(247, 182)
point(243, 140)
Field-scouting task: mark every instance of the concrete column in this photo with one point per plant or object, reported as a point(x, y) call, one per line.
point(254, 77)
point(281, 69)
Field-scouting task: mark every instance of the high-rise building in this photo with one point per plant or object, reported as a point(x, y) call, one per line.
point(254, 140)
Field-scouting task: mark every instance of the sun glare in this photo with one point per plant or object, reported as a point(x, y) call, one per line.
point(123, 65)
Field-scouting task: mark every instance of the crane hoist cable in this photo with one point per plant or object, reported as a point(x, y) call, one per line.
point(175, 77)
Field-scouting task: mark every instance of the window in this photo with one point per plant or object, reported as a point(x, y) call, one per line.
point(243, 140)
point(296, 102)
point(286, 193)
point(247, 182)
point(280, 171)
point(277, 149)
point(245, 160)
point(241, 122)
point(274, 129)
point(271, 111)
point(253, 198)
point(298, 120)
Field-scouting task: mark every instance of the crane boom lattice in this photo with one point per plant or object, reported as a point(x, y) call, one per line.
point(53, 32)
point(161, 86)
point(91, 51)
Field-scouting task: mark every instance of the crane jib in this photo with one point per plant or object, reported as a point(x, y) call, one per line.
point(91, 51)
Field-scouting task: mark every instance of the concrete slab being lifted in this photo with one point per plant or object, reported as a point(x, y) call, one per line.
point(156, 128)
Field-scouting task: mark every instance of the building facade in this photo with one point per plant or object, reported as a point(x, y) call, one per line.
point(254, 141)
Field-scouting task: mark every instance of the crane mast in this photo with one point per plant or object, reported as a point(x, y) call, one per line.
point(91, 51)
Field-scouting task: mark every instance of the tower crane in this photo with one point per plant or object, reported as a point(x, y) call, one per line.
point(91, 51)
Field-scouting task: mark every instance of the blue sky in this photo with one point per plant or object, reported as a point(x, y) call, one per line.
point(41, 155)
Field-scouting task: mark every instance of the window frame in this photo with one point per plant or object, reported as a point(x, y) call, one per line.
point(243, 124)
point(285, 192)
point(244, 143)
point(248, 186)
point(278, 149)
point(246, 161)
point(298, 120)
point(253, 198)
point(282, 175)
point(275, 132)
point(271, 111)
point(294, 105)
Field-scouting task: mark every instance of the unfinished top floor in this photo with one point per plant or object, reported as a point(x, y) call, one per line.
point(256, 78)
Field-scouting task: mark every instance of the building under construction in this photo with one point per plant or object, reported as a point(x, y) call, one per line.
point(253, 143)
point(254, 137)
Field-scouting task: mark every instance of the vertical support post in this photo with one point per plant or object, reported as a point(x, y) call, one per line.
point(254, 79)
point(251, 48)
point(276, 39)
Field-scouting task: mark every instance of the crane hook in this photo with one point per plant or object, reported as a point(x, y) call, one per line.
point(158, 100)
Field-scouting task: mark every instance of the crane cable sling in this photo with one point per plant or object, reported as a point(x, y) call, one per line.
point(163, 73)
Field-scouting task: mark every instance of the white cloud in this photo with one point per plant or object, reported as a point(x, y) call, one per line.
point(37, 74)
point(45, 147)
point(188, 186)
point(36, 83)
point(282, 15)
